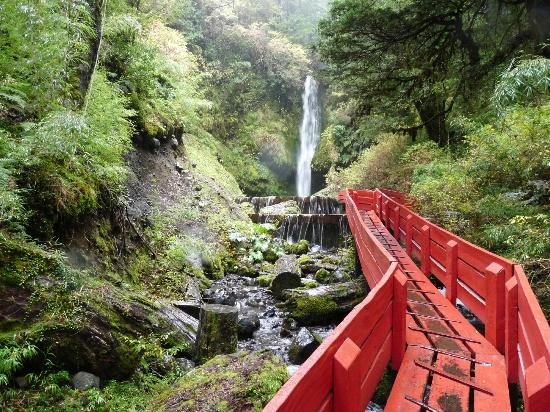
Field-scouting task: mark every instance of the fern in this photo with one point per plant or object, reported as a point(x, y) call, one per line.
point(12, 358)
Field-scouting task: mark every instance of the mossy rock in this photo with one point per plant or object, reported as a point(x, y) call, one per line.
point(331, 260)
point(324, 304)
point(265, 280)
point(270, 256)
point(309, 283)
point(305, 260)
point(299, 248)
point(236, 382)
point(324, 276)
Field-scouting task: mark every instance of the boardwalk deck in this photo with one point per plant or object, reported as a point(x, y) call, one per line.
point(448, 366)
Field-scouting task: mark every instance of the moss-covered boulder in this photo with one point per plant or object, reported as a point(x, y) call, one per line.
point(325, 304)
point(265, 280)
point(244, 381)
point(299, 248)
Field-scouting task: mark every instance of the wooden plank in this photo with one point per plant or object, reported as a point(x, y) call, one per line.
point(447, 394)
point(537, 385)
point(471, 301)
point(452, 271)
point(375, 372)
point(399, 319)
point(494, 377)
point(438, 252)
point(511, 332)
point(525, 350)
point(411, 381)
point(532, 317)
point(494, 305)
point(365, 324)
point(471, 277)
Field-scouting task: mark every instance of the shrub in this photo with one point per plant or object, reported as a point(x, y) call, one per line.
point(67, 159)
point(374, 166)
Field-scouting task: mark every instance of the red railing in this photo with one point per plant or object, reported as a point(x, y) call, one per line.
point(495, 289)
point(343, 373)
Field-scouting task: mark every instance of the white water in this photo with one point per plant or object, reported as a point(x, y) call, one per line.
point(309, 136)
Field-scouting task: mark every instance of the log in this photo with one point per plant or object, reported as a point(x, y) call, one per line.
point(218, 328)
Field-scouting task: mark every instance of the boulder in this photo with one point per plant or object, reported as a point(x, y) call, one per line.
point(325, 304)
point(84, 381)
point(302, 346)
point(248, 324)
point(218, 331)
point(284, 281)
point(299, 248)
point(98, 342)
point(288, 327)
point(243, 381)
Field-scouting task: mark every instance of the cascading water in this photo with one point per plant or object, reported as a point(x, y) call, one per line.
point(309, 136)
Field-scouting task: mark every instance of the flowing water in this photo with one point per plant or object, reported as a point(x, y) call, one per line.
point(309, 136)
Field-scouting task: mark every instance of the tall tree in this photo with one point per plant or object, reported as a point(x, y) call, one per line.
point(421, 56)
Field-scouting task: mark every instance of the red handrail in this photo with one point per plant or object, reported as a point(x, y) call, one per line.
point(343, 373)
point(495, 289)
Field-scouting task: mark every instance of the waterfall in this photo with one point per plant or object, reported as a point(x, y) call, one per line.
point(309, 136)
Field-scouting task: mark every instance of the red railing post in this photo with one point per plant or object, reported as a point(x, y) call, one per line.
point(385, 213)
point(511, 333)
point(537, 387)
point(379, 205)
point(396, 233)
point(494, 305)
point(399, 319)
point(451, 266)
point(425, 252)
point(347, 378)
point(409, 234)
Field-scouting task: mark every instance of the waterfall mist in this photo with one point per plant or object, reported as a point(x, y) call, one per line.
point(309, 136)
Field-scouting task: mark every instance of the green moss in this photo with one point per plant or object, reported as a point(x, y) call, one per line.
point(308, 283)
point(265, 280)
point(299, 248)
point(323, 276)
point(262, 386)
point(305, 260)
point(313, 309)
point(331, 260)
point(241, 381)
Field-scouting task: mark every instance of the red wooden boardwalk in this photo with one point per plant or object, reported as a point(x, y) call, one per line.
point(448, 365)
point(443, 362)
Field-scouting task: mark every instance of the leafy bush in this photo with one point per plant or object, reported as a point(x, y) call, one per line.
point(69, 158)
point(526, 81)
point(43, 46)
point(11, 360)
point(154, 66)
point(374, 166)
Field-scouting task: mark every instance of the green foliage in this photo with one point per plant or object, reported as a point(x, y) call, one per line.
point(301, 247)
point(525, 81)
point(374, 166)
point(69, 158)
point(43, 45)
point(12, 358)
point(152, 63)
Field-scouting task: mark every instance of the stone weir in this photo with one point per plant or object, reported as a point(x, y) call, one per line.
point(307, 205)
point(320, 220)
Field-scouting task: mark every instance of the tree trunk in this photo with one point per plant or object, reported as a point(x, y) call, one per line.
point(431, 109)
point(97, 8)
